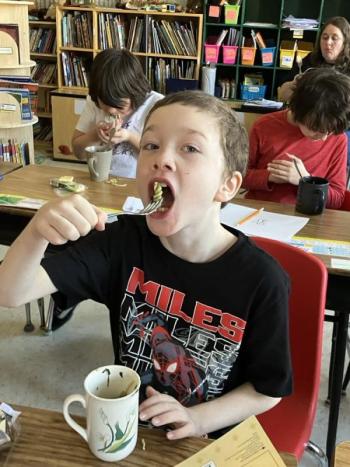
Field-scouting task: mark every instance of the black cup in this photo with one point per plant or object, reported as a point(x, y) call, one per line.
point(312, 195)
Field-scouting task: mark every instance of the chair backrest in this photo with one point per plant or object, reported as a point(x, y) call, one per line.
point(346, 203)
point(289, 424)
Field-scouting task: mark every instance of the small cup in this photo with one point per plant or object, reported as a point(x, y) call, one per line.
point(312, 195)
point(111, 402)
point(99, 160)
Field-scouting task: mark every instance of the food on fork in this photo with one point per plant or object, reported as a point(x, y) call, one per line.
point(157, 191)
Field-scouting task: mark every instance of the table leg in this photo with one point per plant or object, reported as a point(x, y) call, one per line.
point(336, 386)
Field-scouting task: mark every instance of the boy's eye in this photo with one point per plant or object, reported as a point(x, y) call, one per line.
point(190, 148)
point(150, 146)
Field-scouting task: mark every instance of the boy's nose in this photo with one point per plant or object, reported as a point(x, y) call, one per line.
point(164, 161)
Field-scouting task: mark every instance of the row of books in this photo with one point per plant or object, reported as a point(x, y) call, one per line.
point(77, 30)
point(45, 73)
point(147, 34)
point(74, 70)
point(44, 100)
point(160, 69)
point(42, 132)
point(42, 40)
point(111, 31)
point(12, 151)
point(227, 88)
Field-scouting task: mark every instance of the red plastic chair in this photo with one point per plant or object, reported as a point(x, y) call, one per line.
point(289, 423)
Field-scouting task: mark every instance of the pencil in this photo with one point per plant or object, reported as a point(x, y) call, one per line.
point(250, 216)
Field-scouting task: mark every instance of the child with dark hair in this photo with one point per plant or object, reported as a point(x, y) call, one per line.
point(307, 139)
point(120, 96)
point(195, 307)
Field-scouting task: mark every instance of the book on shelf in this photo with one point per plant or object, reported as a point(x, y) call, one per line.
point(77, 30)
point(22, 97)
point(74, 70)
point(12, 31)
point(25, 83)
point(13, 151)
point(44, 73)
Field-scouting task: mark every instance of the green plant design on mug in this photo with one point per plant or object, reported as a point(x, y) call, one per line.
point(119, 438)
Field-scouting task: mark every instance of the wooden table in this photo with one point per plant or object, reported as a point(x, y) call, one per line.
point(342, 455)
point(7, 167)
point(34, 181)
point(46, 440)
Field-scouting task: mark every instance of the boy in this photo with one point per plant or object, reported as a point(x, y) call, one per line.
point(307, 139)
point(195, 307)
point(120, 96)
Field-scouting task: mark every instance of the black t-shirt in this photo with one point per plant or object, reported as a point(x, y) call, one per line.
point(192, 330)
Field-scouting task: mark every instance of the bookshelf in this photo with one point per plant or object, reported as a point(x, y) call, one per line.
point(83, 32)
point(267, 16)
point(15, 62)
point(42, 43)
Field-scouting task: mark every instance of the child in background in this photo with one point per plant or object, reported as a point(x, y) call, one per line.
point(120, 96)
point(195, 307)
point(307, 139)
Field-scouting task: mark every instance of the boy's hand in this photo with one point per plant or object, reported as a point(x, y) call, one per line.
point(285, 171)
point(163, 410)
point(68, 219)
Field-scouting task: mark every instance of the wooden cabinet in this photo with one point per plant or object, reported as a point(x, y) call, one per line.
point(66, 109)
point(15, 62)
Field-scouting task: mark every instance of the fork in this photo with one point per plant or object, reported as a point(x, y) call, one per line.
point(151, 207)
point(299, 63)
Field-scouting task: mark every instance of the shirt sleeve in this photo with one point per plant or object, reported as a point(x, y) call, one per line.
point(256, 178)
point(87, 119)
point(336, 174)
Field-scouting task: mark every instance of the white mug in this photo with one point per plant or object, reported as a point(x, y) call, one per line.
point(111, 402)
point(99, 160)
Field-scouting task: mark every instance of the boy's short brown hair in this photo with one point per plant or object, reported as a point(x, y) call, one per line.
point(321, 100)
point(233, 136)
point(116, 75)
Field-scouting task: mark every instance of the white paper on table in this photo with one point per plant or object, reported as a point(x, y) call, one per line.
point(267, 224)
point(132, 204)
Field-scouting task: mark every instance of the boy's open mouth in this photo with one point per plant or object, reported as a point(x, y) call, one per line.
point(162, 191)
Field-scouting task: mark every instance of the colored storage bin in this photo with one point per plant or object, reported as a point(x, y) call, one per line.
point(229, 54)
point(211, 50)
point(250, 92)
point(287, 52)
point(214, 13)
point(267, 56)
point(248, 55)
point(304, 48)
point(231, 14)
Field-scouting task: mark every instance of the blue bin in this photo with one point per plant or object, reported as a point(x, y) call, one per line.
point(250, 92)
point(268, 56)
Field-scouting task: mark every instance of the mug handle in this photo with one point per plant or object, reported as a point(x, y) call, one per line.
point(72, 423)
point(91, 164)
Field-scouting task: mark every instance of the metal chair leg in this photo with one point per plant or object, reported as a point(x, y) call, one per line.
point(41, 307)
point(29, 327)
point(47, 328)
point(317, 452)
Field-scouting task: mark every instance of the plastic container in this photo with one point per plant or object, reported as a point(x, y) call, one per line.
point(248, 55)
point(268, 56)
point(229, 54)
point(211, 50)
point(214, 13)
point(287, 52)
point(304, 48)
point(250, 92)
point(231, 14)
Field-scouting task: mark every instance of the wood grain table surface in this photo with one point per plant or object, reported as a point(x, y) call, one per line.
point(46, 440)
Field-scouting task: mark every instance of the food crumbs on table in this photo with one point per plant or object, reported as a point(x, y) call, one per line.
point(115, 182)
point(143, 444)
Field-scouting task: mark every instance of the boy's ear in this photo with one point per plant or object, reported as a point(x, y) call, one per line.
point(229, 187)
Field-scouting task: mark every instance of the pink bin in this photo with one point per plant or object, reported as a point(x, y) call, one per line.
point(230, 54)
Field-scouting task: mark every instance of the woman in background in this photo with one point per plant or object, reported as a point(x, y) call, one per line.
point(332, 49)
